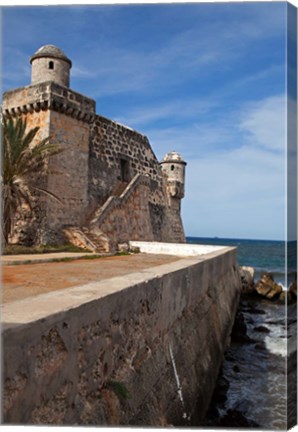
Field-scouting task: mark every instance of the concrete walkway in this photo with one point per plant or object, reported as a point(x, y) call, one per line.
point(27, 280)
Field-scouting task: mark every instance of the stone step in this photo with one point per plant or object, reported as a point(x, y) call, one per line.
point(82, 237)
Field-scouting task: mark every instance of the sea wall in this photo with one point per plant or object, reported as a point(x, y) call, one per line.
point(142, 349)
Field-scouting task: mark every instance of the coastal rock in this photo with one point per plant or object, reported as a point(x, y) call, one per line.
point(247, 279)
point(256, 311)
point(293, 288)
point(220, 396)
point(239, 331)
point(287, 295)
point(266, 287)
point(235, 418)
point(262, 329)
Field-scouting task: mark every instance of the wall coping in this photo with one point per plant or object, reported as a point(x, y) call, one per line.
point(178, 249)
point(48, 96)
point(47, 307)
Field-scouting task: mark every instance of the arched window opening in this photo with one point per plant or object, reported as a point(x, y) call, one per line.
point(172, 167)
point(51, 65)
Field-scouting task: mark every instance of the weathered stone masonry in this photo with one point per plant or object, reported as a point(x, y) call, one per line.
point(65, 350)
point(100, 158)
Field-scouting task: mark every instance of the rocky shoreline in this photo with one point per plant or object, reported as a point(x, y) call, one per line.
point(266, 286)
point(248, 357)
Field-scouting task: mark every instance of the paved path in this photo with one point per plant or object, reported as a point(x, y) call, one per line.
point(26, 280)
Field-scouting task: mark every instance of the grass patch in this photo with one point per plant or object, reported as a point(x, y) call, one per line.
point(16, 249)
point(64, 259)
point(92, 257)
point(118, 388)
point(122, 253)
point(84, 257)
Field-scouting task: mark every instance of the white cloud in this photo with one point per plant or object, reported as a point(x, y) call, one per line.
point(190, 53)
point(264, 122)
point(182, 108)
point(240, 192)
point(81, 72)
point(15, 65)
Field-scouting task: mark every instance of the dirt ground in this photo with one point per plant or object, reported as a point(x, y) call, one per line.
point(25, 280)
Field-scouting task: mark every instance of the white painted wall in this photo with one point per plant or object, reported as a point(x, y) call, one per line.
point(179, 249)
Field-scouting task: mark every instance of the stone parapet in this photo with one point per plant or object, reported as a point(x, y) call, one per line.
point(122, 129)
point(68, 353)
point(48, 95)
point(177, 249)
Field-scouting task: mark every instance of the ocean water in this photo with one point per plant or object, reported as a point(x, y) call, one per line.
point(259, 376)
point(263, 255)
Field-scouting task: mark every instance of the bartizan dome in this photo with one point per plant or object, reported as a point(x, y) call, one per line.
point(173, 156)
point(49, 63)
point(50, 51)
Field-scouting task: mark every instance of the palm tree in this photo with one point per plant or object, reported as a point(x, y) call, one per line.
point(20, 160)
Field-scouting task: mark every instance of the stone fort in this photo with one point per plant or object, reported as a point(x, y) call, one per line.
point(111, 186)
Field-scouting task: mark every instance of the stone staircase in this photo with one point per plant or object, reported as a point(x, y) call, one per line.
point(98, 239)
point(83, 237)
point(119, 188)
point(117, 200)
point(91, 236)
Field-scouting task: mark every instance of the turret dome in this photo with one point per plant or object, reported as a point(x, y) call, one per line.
point(49, 63)
point(51, 51)
point(173, 156)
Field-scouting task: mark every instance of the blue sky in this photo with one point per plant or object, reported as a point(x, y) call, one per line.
point(206, 80)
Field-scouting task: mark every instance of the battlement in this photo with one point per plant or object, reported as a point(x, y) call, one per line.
point(48, 95)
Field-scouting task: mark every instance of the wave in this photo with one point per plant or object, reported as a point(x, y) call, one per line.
point(276, 346)
point(279, 345)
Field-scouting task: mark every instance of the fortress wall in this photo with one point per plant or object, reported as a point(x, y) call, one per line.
point(174, 221)
point(63, 116)
point(132, 216)
point(68, 355)
point(109, 143)
point(99, 158)
point(129, 218)
point(69, 180)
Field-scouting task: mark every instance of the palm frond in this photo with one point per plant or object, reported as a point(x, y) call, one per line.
point(22, 159)
point(47, 192)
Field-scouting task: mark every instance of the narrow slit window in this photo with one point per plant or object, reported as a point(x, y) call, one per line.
point(124, 170)
point(51, 65)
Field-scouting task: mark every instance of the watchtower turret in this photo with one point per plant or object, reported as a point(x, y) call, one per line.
point(173, 166)
point(49, 63)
